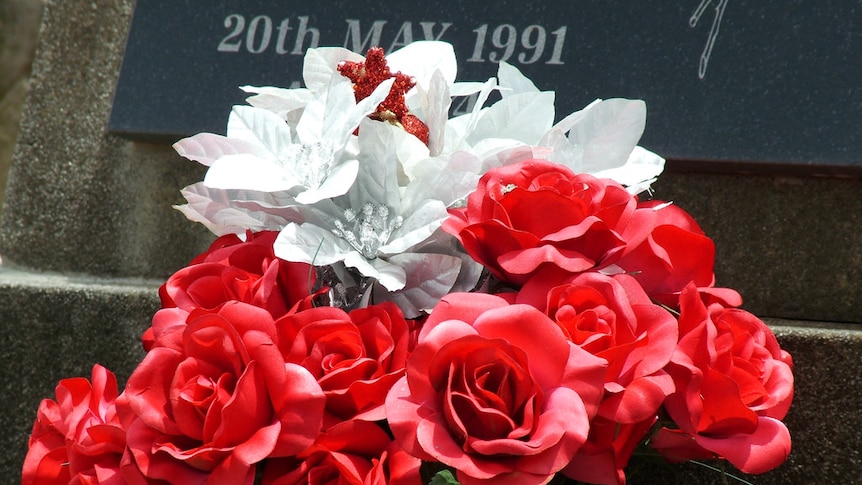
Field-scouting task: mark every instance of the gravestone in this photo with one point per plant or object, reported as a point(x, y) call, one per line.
point(88, 232)
point(724, 81)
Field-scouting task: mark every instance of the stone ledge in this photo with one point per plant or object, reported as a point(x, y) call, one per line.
point(53, 327)
point(56, 326)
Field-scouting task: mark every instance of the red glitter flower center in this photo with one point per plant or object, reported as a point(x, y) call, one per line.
point(367, 75)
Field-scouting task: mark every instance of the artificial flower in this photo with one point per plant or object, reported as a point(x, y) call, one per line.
point(588, 223)
point(380, 228)
point(612, 318)
point(214, 397)
point(396, 293)
point(79, 437)
point(675, 253)
point(236, 270)
point(311, 161)
point(352, 452)
point(734, 384)
point(355, 357)
point(495, 391)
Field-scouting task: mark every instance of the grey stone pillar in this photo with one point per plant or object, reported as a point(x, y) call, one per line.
point(87, 231)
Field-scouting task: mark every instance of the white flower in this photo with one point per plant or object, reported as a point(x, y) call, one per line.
point(379, 228)
point(313, 161)
point(600, 139)
point(372, 204)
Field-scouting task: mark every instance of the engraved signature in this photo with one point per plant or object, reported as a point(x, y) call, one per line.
point(713, 32)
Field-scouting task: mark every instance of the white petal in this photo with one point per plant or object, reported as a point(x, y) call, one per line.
point(319, 66)
point(460, 128)
point(566, 124)
point(217, 212)
point(278, 100)
point(206, 148)
point(609, 133)
point(466, 88)
point(409, 150)
point(445, 183)
point(391, 276)
point(641, 169)
point(419, 225)
point(513, 82)
point(377, 181)
point(307, 243)
point(523, 117)
point(250, 173)
point(338, 182)
point(343, 114)
point(429, 278)
point(434, 107)
point(421, 59)
point(259, 126)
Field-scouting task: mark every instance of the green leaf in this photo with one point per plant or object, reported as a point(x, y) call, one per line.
point(443, 477)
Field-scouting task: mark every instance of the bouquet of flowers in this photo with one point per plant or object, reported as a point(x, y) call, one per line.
point(401, 296)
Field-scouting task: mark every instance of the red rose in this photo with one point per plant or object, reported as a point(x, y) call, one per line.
point(606, 453)
point(494, 391)
point(734, 384)
point(215, 397)
point(246, 271)
point(538, 213)
point(356, 357)
point(676, 253)
point(352, 452)
point(612, 318)
point(78, 438)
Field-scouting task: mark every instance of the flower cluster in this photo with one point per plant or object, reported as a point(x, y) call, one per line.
point(395, 293)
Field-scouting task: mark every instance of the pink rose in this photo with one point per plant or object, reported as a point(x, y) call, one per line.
point(495, 391)
point(215, 397)
point(355, 357)
point(612, 318)
point(352, 452)
point(734, 385)
point(537, 213)
point(78, 438)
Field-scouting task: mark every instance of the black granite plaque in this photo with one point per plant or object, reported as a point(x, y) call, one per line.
point(775, 83)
